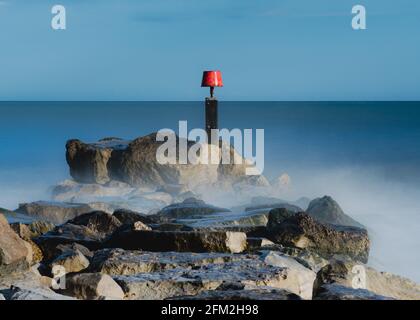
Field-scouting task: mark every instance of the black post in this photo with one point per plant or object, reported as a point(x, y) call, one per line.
point(211, 116)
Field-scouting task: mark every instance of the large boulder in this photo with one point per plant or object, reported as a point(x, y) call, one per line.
point(348, 274)
point(15, 253)
point(327, 210)
point(301, 279)
point(134, 162)
point(302, 231)
point(180, 241)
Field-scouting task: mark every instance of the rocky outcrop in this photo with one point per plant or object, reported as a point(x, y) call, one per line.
point(180, 241)
point(327, 210)
point(302, 231)
point(15, 253)
point(348, 273)
point(134, 162)
point(92, 286)
point(55, 212)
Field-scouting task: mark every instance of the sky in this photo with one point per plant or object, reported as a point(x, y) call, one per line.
point(281, 50)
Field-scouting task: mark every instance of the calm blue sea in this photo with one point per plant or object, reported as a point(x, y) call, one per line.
point(365, 155)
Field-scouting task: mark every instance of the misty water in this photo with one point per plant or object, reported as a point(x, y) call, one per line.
point(365, 155)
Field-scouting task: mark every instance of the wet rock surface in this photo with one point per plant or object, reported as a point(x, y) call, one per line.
point(302, 231)
point(181, 282)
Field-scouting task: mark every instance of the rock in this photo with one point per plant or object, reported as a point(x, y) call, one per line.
point(299, 279)
point(55, 212)
point(327, 210)
point(171, 227)
point(18, 293)
point(89, 163)
point(264, 203)
point(255, 243)
point(68, 234)
point(346, 273)
point(68, 248)
point(189, 208)
point(255, 294)
point(90, 286)
point(140, 226)
point(134, 162)
point(187, 282)
point(124, 262)
point(99, 222)
point(180, 241)
point(71, 261)
point(339, 292)
point(129, 217)
point(277, 216)
point(307, 258)
point(302, 231)
point(32, 230)
point(15, 253)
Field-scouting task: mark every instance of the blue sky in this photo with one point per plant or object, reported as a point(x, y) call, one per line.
point(157, 49)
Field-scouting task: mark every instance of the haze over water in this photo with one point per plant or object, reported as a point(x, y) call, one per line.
point(365, 155)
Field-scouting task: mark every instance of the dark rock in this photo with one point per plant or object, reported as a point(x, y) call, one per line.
point(171, 227)
point(326, 210)
point(179, 241)
point(190, 208)
point(339, 292)
point(302, 231)
point(99, 222)
point(271, 203)
point(68, 234)
point(129, 217)
point(277, 216)
point(247, 294)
